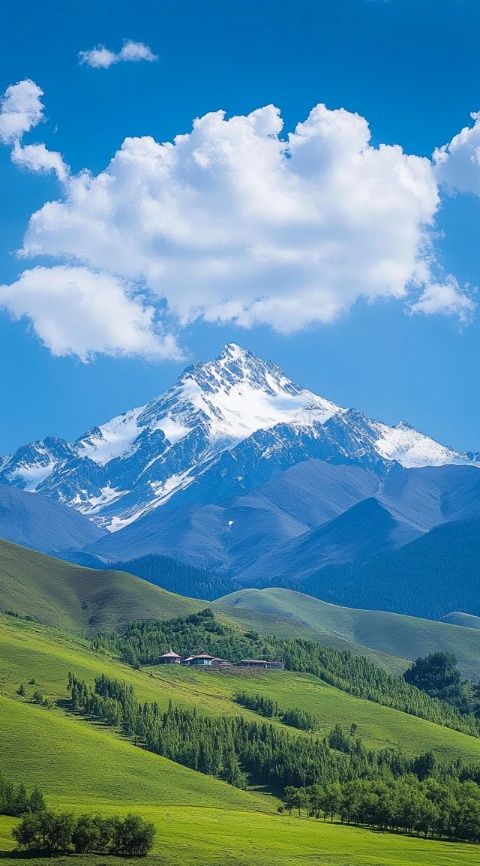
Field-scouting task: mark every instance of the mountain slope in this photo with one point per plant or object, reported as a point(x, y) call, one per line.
point(432, 576)
point(288, 613)
point(229, 536)
point(80, 599)
point(234, 535)
point(366, 529)
point(41, 523)
point(223, 429)
point(463, 619)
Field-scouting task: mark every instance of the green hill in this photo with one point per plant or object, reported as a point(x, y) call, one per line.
point(85, 601)
point(77, 599)
point(457, 617)
point(84, 766)
point(394, 638)
point(30, 650)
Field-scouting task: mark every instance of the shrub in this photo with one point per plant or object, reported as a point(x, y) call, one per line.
point(49, 832)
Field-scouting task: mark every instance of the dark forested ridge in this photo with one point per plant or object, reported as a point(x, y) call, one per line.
point(177, 576)
point(144, 642)
point(430, 577)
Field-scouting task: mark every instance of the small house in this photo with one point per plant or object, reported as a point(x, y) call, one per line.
point(203, 660)
point(262, 664)
point(170, 658)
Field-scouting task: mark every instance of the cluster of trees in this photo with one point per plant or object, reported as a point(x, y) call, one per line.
point(438, 675)
point(145, 641)
point(176, 576)
point(15, 800)
point(445, 809)
point(264, 706)
point(258, 703)
point(61, 833)
point(234, 749)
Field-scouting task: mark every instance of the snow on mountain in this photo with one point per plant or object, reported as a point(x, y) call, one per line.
point(413, 449)
point(39, 522)
point(224, 427)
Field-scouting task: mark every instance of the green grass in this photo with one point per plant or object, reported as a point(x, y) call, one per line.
point(391, 638)
point(80, 600)
point(457, 617)
point(30, 650)
point(200, 821)
point(212, 837)
point(86, 765)
point(86, 601)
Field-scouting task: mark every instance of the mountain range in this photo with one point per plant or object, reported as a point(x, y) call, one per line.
point(238, 470)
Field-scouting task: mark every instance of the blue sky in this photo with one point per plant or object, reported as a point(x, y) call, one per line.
point(409, 68)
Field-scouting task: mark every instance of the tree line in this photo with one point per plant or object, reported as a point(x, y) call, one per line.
point(264, 706)
point(176, 576)
point(49, 832)
point(237, 750)
point(145, 641)
point(448, 810)
point(16, 800)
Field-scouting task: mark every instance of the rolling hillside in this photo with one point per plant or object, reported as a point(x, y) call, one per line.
point(79, 599)
point(87, 601)
point(83, 766)
point(30, 650)
point(464, 619)
point(288, 613)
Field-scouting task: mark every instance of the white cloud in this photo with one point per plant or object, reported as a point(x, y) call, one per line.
point(235, 222)
point(77, 312)
point(37, 158)
point(457, 164)
point(102, 58)
point(135, 51)
point(20, 110)
point(445, 298)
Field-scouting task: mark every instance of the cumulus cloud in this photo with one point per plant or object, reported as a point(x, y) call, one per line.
point(75, 311)
point(21, 109)
point(445, 298)
point(235, 222)
point(102, 58)
point(457, 164)
point(36, 157)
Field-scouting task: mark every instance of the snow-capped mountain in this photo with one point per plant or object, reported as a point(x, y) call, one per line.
point(226, 426)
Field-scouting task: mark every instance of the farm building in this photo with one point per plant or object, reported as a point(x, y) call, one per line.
point(203, 660)
point(170, 658)
point(262, 664)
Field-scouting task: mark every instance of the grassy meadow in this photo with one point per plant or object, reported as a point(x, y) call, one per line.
point(86, 767)
point(390, 639)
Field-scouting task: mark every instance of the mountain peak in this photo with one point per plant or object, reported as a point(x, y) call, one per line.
point(234, 351)
point(142, 459)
